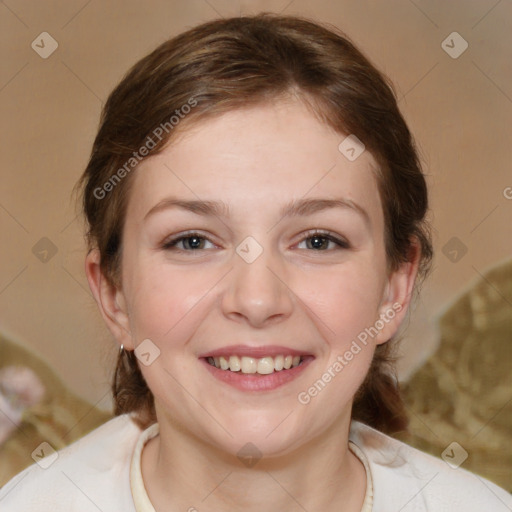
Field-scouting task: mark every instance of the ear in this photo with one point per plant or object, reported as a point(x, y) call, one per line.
point(397, 296)
point(110, 300)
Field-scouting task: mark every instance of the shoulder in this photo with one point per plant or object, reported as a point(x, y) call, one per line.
point(407, 479)
point(81, 477)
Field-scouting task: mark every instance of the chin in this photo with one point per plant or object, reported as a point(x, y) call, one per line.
point(267, 435)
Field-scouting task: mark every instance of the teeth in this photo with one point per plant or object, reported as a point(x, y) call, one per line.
point(265, 366)
point(234, 363)
point(262, 366)
point(248, 365)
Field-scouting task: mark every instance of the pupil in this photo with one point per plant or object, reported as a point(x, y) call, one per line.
point(317, 242)
point(194, 242)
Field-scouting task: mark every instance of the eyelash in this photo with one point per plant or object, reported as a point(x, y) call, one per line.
point(341, 243)
point(171, 244)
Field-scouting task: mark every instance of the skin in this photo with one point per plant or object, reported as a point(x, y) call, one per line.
point(256, 161)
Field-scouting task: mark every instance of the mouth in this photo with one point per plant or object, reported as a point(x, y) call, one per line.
point(256, 369)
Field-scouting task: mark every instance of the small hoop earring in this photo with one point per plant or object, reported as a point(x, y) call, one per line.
point(122, 348)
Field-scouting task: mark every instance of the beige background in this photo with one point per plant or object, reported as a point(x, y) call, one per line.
point(460, 111)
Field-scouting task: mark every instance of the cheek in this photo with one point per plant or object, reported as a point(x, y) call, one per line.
point(345, 305)
point(346, 299)
point(163, 301)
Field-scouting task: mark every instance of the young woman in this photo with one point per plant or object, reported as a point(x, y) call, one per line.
point(256, 215)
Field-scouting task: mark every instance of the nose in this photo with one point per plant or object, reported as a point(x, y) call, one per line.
point(257, 293)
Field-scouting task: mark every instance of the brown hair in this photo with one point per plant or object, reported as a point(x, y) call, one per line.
point(232, 63)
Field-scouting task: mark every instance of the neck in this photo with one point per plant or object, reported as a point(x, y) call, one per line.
point(182, 472)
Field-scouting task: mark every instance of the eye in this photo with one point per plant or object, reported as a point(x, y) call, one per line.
point(189, 242)
point(323, 241)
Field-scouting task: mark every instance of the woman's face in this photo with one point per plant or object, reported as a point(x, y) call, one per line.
point(253, 237)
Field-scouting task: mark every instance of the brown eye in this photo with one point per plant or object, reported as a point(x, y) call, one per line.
point(193, 242)
point(317, 242)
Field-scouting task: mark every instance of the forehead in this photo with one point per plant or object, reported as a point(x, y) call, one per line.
point(267, 154)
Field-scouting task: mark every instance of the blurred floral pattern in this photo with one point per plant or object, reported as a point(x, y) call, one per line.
point(464, 391)
point(35, 406)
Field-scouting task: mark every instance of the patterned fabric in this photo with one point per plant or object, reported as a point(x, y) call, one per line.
point(463, 393)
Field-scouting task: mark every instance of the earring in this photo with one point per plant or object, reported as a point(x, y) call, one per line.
point(122, 348)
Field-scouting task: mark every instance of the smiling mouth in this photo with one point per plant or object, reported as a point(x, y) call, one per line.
point(251, 365)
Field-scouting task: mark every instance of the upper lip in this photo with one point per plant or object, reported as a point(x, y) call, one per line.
point(255, 352)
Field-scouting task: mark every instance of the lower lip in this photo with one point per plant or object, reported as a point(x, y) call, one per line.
point(257, 382)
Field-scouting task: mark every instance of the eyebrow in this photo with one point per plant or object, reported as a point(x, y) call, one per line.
point(205, 208)
point(309, 206)
point(298, 207)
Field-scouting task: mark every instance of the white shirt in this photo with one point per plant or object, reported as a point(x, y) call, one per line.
point(101, 472)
